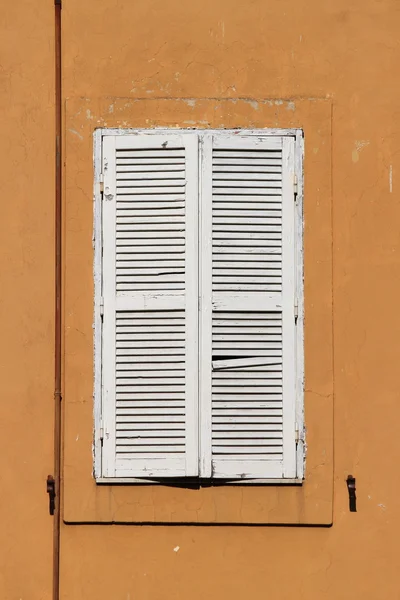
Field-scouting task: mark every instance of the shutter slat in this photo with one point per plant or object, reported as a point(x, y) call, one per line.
point(247, 155)
point(269, 198)
point(129, 189)
point(156, 418)
point(258, 262)
point(138, 218)
point(244, 176)
point(151, 153)
point(243, 167)
point(233, 429)
point(225, 412)
point(156, 169)
point(128, 424)
point(245, 188)
point(134, 176)
point(247, 252)
point(251, 241)
point(250, 419)
point(152, 161)
point(235, 215)
point(144, 451)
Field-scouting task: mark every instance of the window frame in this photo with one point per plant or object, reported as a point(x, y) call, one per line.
point(298, 135)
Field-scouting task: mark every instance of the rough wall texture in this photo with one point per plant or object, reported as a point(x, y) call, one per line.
point(346, 51)
point(26, 297)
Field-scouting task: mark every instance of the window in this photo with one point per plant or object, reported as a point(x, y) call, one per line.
point(199, 287)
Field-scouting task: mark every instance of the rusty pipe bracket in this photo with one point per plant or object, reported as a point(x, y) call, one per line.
point(51, 490)
point(351, 487)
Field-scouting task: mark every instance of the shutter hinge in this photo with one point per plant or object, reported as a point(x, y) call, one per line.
point(296, 310)
point(101, 430)
point(296, 434)
point(101, 306)
point(299, 434)
point(51, 490)
point(101, 183)
point(295, 186)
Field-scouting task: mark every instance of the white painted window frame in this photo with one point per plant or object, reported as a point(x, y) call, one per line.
point(297, 134)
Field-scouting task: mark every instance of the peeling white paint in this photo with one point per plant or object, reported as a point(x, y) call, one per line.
point(359, 145)
point(291, 106)
point(77, 437)
point(254, 104)
point(191, 102)
point(382, 506)
point(189, 122)
point(390, 178)
point(88, 114)
point(176, 548)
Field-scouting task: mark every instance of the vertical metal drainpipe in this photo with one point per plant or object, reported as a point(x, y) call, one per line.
point(57, 315)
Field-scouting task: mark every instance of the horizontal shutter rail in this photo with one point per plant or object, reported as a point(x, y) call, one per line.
point(252, 145)
point(246, 303)
point(157, 301)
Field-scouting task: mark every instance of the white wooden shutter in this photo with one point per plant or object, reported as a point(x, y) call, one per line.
point(150, 290)
point(247, 307)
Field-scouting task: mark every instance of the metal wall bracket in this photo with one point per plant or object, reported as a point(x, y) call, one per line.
point(351, 487)
point(51, 490)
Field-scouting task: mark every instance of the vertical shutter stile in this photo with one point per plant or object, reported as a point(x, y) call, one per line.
point(150, 290)
point(247, 311)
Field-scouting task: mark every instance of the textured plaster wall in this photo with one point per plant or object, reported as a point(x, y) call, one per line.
point(26, 297)
point(346, 51)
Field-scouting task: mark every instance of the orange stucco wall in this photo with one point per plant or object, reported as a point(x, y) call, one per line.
point(330, 67)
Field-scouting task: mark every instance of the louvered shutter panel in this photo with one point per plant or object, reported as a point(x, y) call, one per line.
point(247, 307)
point(150, 290)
